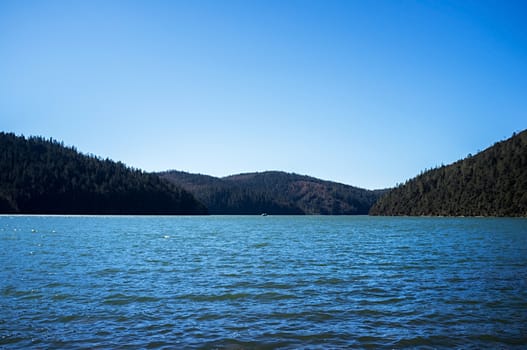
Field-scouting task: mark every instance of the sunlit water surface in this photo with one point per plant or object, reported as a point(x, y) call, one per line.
point(262, 282)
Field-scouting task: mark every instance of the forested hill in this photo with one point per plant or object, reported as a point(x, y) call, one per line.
point(41, 176)
point(491, 183)
point(274, 192)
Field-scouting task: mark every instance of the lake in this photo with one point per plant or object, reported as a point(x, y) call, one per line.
point(237, 282)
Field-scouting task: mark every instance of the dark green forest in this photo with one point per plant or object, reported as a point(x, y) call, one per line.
point(274, 192)
point(39, 176)
point(42, 176)
point(490, 183)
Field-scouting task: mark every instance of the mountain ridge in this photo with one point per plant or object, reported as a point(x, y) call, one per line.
point(492, 182)
point(274, 192)
point(41, 176)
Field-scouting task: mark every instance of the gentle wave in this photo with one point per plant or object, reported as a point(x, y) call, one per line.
point(244, 283)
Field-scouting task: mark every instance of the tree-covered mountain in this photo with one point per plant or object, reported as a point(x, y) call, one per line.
point(39, 176)
point(274, 192)
point(490, 183)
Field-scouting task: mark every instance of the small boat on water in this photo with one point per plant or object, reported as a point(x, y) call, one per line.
point(264, 214)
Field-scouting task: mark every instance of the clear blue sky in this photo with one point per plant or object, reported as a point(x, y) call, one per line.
point(367, 93)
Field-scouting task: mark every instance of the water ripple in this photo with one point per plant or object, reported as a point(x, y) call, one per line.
point(248, 283)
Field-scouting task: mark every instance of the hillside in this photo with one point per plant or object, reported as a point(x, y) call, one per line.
point(41, 176)
point(274, 192)
point(491, 183)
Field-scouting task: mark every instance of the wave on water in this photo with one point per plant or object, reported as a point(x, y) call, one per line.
point(333, 282)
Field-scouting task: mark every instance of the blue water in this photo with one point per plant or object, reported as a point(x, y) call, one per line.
point(262, 282)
